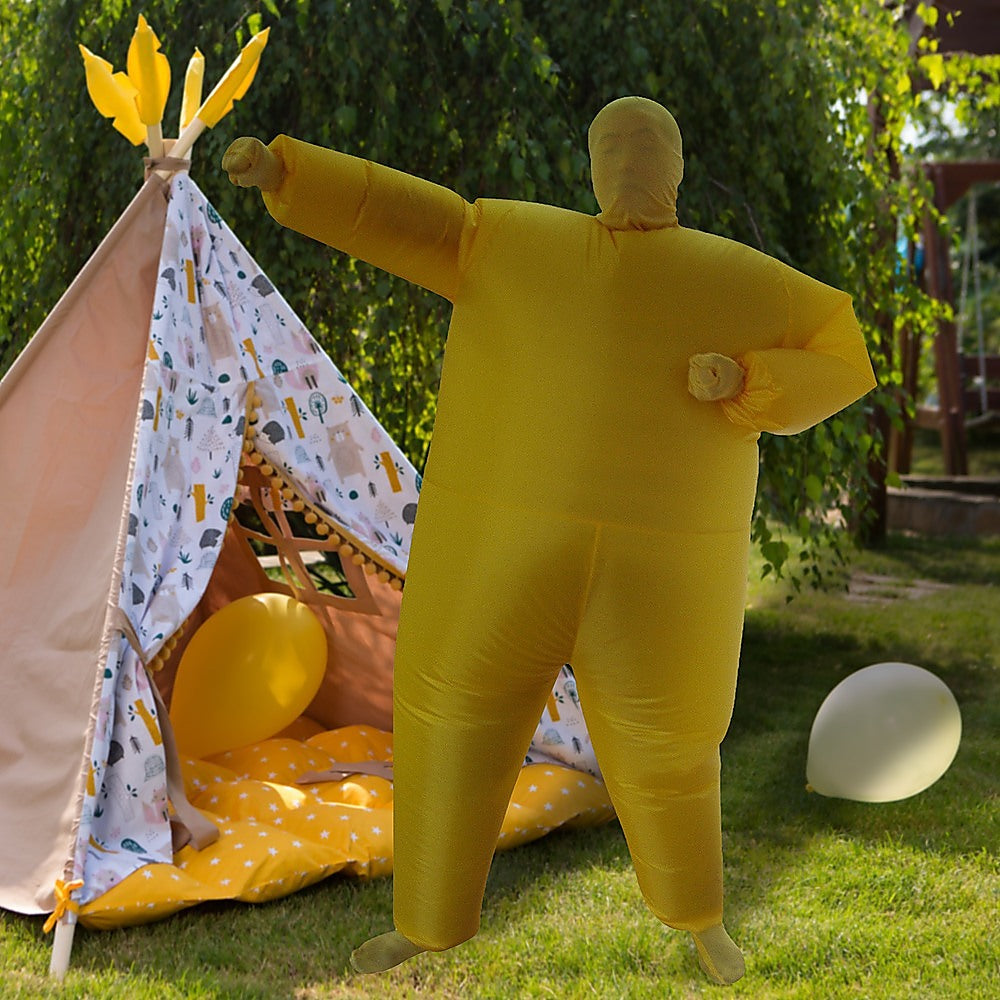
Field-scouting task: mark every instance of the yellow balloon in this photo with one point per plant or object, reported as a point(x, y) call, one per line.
point(883, 734)
point(249, 671)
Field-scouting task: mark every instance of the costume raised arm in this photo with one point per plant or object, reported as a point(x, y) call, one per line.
point(820, 367)
point(411, 227)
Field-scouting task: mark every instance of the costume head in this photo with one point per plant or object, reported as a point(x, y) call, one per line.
point(636, 164)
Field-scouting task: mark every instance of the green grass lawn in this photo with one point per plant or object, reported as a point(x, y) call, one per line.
point(982, 445)
point(828, 898)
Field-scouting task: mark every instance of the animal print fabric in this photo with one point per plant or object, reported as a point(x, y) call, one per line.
point(218, 329)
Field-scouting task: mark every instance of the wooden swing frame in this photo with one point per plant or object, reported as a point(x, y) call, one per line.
point(954, 370)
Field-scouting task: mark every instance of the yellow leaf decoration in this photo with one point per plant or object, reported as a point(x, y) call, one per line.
point(113, 95)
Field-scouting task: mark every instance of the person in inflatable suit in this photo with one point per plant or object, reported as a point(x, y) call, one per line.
point(587, 499)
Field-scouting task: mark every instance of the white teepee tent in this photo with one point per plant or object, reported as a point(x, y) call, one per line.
point(171, 388)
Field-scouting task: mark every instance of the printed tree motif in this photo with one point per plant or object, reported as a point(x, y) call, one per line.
point(318, 405)
point(207, 408)
point(211, 442)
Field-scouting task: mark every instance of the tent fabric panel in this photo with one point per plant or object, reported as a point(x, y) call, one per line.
point(190, 444)
point(357, 685)
point(125, 819)
point(220, 317)
point(67, 414)
point(324, 441)
point(357, 688)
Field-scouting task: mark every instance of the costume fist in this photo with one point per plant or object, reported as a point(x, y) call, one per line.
point(713, 377)
point(250, 163)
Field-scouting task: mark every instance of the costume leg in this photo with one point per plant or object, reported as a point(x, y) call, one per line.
point(488, 617)
point(656, 664)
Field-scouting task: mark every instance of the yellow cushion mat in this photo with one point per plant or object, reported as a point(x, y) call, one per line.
point(278, 836)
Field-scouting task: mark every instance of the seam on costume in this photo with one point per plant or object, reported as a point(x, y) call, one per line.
point(569, 516)
point(788, 302)
point(589, 583)
point(369, 171)
point(472, 221)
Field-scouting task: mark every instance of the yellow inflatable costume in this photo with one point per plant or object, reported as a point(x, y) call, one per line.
point(587, 499)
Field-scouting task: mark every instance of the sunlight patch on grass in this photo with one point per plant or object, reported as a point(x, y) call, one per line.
point(830, 899)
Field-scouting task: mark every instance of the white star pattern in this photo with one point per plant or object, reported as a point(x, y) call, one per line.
point(271, 793)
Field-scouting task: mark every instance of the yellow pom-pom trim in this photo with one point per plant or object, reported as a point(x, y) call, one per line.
point(326, 530)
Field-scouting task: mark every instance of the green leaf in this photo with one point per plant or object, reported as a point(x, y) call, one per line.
point(933, 66)
point(775, 553)
point(345, 117)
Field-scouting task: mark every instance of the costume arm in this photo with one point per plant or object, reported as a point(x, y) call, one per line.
point(820, 366)
point(398, 222)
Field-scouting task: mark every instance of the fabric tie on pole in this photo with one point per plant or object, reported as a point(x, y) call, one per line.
point(64, 902)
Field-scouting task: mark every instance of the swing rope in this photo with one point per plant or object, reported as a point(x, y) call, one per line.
point(971, 263)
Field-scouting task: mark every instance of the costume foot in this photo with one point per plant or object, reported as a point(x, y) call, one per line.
point(718, 956)
point(384, 952)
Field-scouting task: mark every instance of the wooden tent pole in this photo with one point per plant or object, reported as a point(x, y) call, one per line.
point(62, 946)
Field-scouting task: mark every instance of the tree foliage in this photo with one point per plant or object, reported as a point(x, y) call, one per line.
point(493, 98)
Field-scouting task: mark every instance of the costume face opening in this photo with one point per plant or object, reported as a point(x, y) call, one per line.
point(636, 164)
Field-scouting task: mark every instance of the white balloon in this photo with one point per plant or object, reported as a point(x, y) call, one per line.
point(882, 734)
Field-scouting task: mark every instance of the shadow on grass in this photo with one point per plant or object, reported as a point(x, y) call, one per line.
point(790, 663)
point(253, 952)
point(960, 560)
point(785, 673)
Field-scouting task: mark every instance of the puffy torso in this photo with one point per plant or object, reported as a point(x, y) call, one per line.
point(565, 375)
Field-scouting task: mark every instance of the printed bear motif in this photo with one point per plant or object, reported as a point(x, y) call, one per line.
point(218, 333)
point(345, 452)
